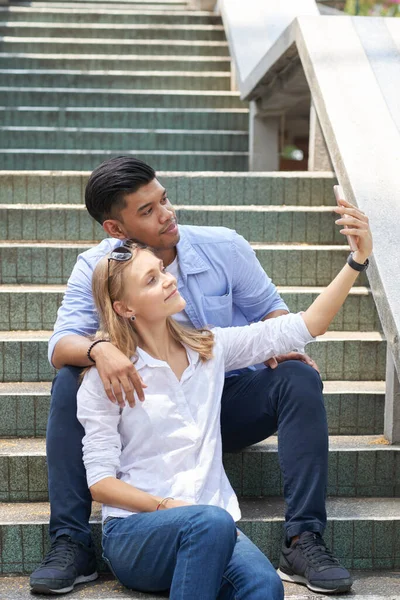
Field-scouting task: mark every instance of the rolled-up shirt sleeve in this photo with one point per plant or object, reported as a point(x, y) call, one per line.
point(77, 313)
point(100, 419)
point(252, 289)
point(256, 343)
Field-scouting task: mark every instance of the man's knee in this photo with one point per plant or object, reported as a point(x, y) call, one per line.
point(65, 387)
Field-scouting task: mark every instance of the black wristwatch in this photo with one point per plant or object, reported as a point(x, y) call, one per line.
point(355, 265)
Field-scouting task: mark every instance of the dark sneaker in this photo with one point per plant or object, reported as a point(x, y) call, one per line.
point(66, 564)
point(309, 562)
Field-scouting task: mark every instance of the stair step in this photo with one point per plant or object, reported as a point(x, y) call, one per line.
point(105, 62)
point(353, 408)
point(368, 585)
point(169, 160)
point(84, 45)
point(290, 264)
point(358, 467)
point(104, 98)
point(363, 534)
point(125, 118)
point(123, 31)
point(347, 355)
point(35, 307)
point(295, 189)
point(89, 15)
point(126, 4)
point(118, 79)
point(72, 138)
point(271, 224)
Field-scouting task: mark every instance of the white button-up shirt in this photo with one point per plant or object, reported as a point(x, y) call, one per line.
point(170, 444)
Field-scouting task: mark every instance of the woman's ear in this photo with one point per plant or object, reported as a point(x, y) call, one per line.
point(122, 310)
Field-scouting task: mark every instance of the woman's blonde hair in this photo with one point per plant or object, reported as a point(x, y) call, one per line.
point(107, 286)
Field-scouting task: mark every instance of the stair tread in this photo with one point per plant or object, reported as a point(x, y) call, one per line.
point(330, 387)
point(368, 585)
point(37, 446)
point(363, 336)
point(253, 509)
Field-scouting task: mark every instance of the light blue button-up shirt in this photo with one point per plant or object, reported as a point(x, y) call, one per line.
point(220, 278)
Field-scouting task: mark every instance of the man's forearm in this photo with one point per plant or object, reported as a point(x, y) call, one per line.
point(72, 350)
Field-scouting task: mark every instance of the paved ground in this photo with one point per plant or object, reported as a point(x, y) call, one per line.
point(367, 586)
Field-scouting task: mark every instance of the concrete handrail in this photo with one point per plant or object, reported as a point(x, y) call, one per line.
point(350, 67)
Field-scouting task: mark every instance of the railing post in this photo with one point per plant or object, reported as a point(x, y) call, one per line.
point(392, 401)
point(263, 139)
point(318, 155)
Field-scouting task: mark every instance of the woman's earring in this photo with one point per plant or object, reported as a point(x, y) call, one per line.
point(132, 318)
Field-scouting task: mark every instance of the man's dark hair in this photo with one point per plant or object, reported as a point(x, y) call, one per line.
point(109, 184)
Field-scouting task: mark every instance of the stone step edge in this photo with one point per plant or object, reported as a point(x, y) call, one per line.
point(329, 336)
point(135, 92)
point(118, 73)
point(280, 175)
point(106, 26)
point(84, 109)
point(53, 288)
point(13, 8)
point(254, 509)
point(209, 208)
point(14, 446)
point(331, 387)
point(130, 57)
point(112, 41)
point(86, 152)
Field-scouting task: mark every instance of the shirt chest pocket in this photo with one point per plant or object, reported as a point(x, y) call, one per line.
point(218, 309)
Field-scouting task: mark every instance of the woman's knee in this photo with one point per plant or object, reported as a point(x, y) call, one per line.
point(215, 523)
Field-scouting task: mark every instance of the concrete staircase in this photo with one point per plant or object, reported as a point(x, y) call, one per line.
point(81, 81)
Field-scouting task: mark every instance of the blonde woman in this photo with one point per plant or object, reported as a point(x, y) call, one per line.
point(169, 512)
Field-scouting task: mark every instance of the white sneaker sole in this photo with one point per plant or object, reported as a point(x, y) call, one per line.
point(40, 589)
point(303, 581)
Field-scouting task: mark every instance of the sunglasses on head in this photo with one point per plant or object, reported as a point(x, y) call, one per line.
point(122, 254)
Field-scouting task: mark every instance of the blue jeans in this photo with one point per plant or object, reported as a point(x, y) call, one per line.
point(193, 551)
point(255, 405)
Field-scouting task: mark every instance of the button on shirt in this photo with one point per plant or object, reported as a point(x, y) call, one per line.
point(170, 444)
point(220, 278)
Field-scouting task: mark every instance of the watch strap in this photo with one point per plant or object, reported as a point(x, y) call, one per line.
point(355, 265)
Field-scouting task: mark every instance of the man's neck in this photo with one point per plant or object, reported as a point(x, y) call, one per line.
point(167, 256)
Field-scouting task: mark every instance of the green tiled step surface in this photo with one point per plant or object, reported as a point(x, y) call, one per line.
point(91, 62)
point(363, 534)
point(291, 264)
point(168, 160)
point(271, 224)
point(104, 98)
point(357, 468)
point(368, 585)
point(353, 408)
point(123, 31)
point(295, 189)
point(92, 16)
point(340, 355)
point(127, 118)
point(51, 45)
point(33, 307)
point(71, 138)
point(118, 79)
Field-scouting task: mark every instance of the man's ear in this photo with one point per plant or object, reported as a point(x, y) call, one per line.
point(122, 310)
point(114, 229)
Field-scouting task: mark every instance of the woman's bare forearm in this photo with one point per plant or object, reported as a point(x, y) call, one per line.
point(117, 493)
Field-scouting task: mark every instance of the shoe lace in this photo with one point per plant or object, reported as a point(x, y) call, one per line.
point(316, 551)
point(62, 553)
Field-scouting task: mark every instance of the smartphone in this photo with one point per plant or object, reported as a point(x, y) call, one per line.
point(339, 194)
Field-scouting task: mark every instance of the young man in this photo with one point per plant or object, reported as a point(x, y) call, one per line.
point(223, 285)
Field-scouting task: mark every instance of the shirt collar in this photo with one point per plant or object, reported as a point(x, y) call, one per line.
point(146, 360)
point(190, 261)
